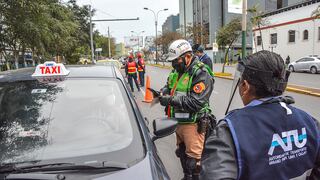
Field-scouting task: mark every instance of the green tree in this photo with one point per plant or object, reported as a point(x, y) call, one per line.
point(103, 42)
point(227, 35)
point(316, 13)
point(198, 33)
point(257, 21)
point(166, 39)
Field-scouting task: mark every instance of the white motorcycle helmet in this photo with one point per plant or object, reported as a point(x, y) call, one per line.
point(178, 48)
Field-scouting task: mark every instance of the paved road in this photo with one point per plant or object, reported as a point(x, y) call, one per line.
point(218, 101)
point(296, 78)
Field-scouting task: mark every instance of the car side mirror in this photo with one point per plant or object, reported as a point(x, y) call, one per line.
point(163, 127)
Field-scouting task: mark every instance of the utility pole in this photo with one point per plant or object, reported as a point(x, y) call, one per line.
point(201, 28)
point(91, 36)
point(109, 44)
point(156, 24)
point(184, 16)
point(244, 28)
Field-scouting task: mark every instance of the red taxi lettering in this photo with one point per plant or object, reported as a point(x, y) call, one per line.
point(50, 70)
point(42, 70)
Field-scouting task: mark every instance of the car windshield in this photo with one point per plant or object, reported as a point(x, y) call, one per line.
point(76, 117)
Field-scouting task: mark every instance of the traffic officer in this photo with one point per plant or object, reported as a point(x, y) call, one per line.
point(186, 97)
point(268, 138)
point(131, 72)
point(203, 57)
point(141, 68)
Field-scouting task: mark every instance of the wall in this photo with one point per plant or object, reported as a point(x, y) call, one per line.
point(300, 47)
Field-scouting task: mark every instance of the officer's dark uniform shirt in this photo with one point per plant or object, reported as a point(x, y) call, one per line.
point(206, 60)
point(220, 156)
point(194, 102)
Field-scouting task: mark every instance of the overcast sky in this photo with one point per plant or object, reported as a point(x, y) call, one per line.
point(108, 9)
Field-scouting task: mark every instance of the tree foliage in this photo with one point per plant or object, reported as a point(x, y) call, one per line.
point(198, 33)
point(166, 39)
point(227, 35)
point(316, 13)
point(47, 28)
point(103, 42)
point(257, 21)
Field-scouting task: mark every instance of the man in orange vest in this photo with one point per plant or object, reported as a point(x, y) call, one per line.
point(141, 68)
point(131, 72)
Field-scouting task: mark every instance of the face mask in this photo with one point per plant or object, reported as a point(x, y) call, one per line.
point(180, 67)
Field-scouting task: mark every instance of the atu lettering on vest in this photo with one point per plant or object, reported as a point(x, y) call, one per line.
point(285, 142)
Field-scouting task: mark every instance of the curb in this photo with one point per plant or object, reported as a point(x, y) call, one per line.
point(160, 66)
point(228, 76)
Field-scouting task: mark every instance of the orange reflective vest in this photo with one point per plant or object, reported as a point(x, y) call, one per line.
point(141, 68)
point(132, 67)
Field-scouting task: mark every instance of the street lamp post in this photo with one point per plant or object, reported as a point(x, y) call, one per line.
point(156, 25)
point(138, 35)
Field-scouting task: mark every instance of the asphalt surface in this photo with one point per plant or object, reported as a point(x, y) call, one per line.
point(296, 78)
point(218, 101)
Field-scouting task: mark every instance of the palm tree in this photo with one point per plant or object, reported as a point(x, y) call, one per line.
point(316, 13)
point(257, 20)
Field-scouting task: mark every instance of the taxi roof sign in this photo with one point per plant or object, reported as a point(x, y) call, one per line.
point(50, 69)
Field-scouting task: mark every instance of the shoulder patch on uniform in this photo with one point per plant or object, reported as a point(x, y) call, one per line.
point(199, 88)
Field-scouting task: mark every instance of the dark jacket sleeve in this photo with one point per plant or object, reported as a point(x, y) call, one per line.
point(218, 159)
point(315, 174)
point(194, 102)
point(207, 60)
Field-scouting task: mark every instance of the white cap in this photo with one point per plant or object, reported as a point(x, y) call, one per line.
point(178, 48)
point(50, 69)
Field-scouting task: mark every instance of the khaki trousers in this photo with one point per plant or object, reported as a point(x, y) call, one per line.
point(194, 142)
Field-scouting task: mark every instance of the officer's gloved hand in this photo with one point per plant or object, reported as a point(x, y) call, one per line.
point(165, 100)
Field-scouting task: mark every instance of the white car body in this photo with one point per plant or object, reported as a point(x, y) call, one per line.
point(308, 63)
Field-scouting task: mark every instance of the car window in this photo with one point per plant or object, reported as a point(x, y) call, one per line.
point(301, 60)
point(309, 59)
point(67, 119)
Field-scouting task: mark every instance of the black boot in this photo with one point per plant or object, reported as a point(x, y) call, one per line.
point(195, 176)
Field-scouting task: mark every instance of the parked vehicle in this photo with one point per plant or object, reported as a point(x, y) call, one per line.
point(308, 64)
point(75, 122)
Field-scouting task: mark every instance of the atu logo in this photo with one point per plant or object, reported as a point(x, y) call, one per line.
point(286, 141)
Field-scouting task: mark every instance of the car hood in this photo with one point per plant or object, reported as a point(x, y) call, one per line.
point(143, 170)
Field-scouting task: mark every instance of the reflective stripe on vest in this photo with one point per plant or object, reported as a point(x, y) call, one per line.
point(142, 64)
point(272, 144)
point(132, 67)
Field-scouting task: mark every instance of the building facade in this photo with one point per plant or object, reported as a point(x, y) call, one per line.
point(171, 24)
point(185, 15)
point(290, 31)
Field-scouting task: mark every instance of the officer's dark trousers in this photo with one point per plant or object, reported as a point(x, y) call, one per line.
point(141, 75)
point(134, 77)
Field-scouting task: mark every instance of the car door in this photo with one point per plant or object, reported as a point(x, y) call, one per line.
point(299, 64)
point(307, 64)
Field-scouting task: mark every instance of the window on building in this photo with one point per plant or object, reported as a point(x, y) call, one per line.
point(273, 38)
point(305, 35)
point(279, 4)
point(292, 36)
point(259, 40)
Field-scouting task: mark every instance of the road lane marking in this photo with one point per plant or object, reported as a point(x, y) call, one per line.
point(143, 93)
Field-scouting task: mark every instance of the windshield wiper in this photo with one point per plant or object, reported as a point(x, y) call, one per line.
point(13, 167)
point(61, 167)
